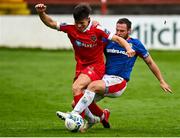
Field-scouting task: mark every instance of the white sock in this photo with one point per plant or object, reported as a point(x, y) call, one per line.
point(84, 102)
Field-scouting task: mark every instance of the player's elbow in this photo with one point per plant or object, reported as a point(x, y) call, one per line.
point(115, 38)
point(52, 24)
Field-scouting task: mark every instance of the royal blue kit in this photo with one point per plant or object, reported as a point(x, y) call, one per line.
point(117, 61)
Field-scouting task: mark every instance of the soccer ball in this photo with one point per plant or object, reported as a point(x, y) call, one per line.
point(74, 122)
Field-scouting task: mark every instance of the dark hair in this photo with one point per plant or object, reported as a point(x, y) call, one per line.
point(125, 21)
point(81, 11)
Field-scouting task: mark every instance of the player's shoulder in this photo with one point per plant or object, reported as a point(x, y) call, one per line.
point(66, 27)
point(98, 27)
point(101, 28)
point(135, 41)
point(66, 24)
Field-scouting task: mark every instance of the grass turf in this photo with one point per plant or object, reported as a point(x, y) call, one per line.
point(36, 83)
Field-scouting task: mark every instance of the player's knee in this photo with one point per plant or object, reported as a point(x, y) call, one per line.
point(76, 89)
point(93, 86)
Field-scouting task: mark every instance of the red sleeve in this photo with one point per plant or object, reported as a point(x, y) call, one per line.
point(64, 27)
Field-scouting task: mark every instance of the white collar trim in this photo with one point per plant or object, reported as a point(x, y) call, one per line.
point(88, 27)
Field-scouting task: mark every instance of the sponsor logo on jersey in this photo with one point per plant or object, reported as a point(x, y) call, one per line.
point(81, 44)
point(115, 51)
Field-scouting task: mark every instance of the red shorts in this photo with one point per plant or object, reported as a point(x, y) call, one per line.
point(94, 71)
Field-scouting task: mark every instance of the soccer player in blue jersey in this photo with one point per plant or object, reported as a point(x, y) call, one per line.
point(118, 69)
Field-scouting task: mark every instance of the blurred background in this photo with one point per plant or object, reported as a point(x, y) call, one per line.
point(154, 7)
point(155, 22)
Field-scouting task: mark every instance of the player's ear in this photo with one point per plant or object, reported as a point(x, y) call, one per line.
point(129, 31)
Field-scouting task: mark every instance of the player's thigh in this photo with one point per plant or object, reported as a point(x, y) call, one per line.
point(80, 83)
point(115, 85)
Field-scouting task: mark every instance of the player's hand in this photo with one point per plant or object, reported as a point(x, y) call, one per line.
point(131, 53)
point(165, 87)
point(40, 8)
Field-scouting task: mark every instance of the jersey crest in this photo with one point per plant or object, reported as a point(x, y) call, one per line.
point(93, 38)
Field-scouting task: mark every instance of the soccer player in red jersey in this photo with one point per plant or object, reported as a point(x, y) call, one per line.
point(88, 47)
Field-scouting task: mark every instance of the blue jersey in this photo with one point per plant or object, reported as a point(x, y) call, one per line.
point(117, 61)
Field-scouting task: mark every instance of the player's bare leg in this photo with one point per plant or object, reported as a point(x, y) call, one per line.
point(80, 83)
point(87, 100)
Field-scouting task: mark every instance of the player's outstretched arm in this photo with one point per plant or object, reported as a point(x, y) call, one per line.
point(122, 42)
point(46, 19)
point(156, 71)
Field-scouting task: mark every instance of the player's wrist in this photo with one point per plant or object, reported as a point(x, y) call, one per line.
point(161, 81)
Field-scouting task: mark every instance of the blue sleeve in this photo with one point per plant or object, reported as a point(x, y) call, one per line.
point(140, 49)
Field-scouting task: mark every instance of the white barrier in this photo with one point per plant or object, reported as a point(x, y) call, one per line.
point(156, 32)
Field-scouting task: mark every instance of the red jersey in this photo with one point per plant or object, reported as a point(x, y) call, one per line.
point(88, 45)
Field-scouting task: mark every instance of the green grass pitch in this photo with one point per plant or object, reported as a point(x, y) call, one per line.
point(34, 84)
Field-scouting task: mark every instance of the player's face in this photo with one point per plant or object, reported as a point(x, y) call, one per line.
point(82, 24)
point(122, 30)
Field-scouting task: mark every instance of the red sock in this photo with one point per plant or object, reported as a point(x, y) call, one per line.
point(95, 109)
point(76, 99)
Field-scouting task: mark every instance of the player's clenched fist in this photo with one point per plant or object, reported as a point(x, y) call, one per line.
point(131, 53)
point(40, 8)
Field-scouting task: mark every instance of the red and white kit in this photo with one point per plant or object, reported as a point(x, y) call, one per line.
point(88, 48)
point(115, 86)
